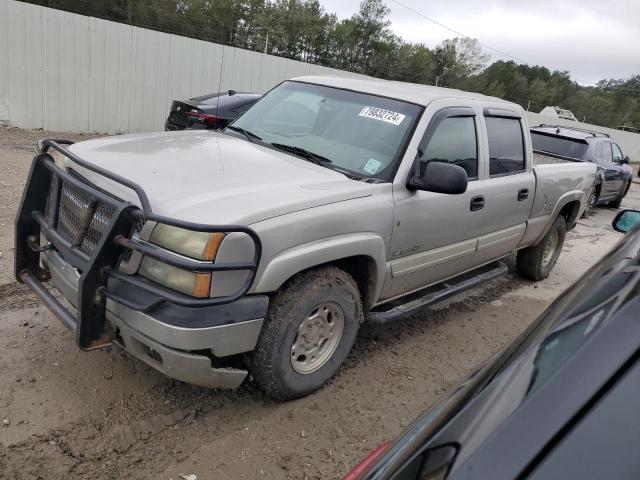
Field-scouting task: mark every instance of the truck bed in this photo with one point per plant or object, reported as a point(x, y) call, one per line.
point(556, 177)
point(546, 158)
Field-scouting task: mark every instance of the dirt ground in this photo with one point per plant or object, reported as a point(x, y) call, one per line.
point(68, 414)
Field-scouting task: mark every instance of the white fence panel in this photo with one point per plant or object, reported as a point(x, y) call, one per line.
point(5, 35)
point(68, 72)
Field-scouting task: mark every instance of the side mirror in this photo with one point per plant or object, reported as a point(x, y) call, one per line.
point(626, 160)
point(440, 177)
point(626, 220)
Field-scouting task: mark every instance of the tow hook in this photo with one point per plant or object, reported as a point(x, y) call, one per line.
point(33, 244)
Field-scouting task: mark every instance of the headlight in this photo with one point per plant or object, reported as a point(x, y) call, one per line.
point(198, 245)
point(195, 284)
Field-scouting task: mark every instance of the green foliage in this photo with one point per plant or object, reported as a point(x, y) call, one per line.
point(364, 43)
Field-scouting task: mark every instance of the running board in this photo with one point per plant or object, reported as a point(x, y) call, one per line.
point(437, 293)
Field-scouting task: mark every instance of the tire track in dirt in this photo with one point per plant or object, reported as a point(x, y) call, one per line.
point(15, 296)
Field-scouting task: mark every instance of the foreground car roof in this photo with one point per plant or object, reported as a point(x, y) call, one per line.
point(409, 92)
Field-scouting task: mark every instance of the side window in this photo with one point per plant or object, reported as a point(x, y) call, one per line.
point(506, 145)
point(617, 153)
point(606, 152)
point(598, 152)
point(454, 141)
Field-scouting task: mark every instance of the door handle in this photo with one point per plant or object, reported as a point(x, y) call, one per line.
point(523, 194)
point(476, 203)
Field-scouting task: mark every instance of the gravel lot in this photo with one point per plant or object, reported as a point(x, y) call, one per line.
point(103, 414)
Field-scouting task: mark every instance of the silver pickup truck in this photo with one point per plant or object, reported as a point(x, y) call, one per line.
point(264, 247)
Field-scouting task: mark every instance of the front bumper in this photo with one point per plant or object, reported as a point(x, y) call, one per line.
point(178, 342)
point(82, 246)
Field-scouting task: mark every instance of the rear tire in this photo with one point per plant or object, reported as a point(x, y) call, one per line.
point(618, 201)
point(310, 328)
point(591, 203)
point(536, 262)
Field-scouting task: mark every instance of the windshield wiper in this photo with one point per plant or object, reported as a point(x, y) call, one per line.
point(306, 154)
point(246, 133)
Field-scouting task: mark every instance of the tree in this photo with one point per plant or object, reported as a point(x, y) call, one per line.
point(364, 43)
point(459, 58)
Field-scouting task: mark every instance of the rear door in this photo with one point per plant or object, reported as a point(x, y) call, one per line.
point(510, 184)
point(611, 170)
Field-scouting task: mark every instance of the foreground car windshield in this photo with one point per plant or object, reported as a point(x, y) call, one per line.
point(362, 134)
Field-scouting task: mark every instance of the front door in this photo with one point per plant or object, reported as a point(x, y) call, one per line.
point(434, 235)
point(617, 158)
point(610, 169)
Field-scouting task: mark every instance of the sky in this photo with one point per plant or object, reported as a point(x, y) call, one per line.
point(592, 39)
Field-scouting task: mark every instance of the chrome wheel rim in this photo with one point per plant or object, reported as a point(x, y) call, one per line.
point(317, 338)
point(550, 248)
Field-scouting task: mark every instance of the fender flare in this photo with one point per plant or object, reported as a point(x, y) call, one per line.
point(571, 196)
point(302, 257)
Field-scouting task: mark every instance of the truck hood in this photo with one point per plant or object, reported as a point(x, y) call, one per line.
point(215, 178)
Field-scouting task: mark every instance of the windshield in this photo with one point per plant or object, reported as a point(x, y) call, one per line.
point(359, 133)
point(561, 146)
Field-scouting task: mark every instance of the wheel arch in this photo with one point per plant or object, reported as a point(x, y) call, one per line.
point(361, 255)
point(569, 206)
point(598, 187)
point(570, 212)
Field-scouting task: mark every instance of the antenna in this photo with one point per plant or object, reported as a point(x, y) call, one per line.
point(220, 82)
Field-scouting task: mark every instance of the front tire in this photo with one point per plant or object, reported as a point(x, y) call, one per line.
point(310, 328)
point(536, 262)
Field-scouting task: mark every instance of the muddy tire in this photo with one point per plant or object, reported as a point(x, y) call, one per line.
point(310, 328)
point(591, 203)
point(536, 262)
point(618, 201)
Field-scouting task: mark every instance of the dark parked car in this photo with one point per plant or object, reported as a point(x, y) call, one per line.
point(561, 402)
point(614, 174)
point(211, 111)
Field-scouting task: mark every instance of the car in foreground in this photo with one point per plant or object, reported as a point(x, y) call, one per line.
point(330, 202)
point(614, 175)
point(209, 112)
point(559, 402)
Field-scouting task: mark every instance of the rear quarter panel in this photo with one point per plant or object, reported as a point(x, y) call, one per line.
point(556, 185)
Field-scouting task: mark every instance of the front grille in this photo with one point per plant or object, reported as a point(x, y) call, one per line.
point(126, 255)
point(99, 223)
point(75, 206)
point(73, 209)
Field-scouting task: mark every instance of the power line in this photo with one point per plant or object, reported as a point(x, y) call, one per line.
point(488, 47)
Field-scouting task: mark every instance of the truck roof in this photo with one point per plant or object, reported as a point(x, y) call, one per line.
point(409, 92)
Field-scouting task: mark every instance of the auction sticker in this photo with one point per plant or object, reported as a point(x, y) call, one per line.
point(372, 166)
point(381, 114)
